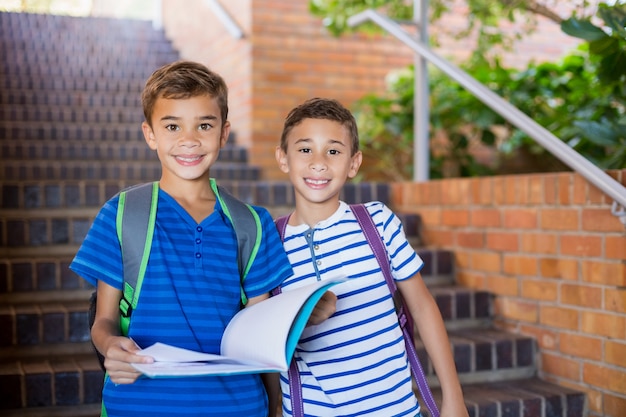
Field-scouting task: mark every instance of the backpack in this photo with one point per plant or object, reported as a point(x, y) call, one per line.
point(136, 215)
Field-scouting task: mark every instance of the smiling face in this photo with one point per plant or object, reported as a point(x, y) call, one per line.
point(318, 159)
point(187, 135)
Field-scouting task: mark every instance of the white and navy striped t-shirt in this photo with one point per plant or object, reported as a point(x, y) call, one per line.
point(353, 364)
point(190, 292)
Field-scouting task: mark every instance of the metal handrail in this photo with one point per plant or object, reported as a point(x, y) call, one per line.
point(229, 23)
point(537, 132)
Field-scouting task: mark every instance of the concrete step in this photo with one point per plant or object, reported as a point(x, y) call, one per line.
point(81, 150)
point(75, 193)
point(527, 397)
point(485, 355)
point(129, 170)
point(103, 99)
point(63, 381)
point(122, 132)
point(71, 114)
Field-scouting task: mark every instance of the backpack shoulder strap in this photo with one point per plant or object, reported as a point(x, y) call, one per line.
point(136, 215)
point(375, 241)
point(248, 230)
point(281, 226)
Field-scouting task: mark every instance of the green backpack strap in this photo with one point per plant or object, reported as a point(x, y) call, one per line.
point(135, 231)
point(248, 230)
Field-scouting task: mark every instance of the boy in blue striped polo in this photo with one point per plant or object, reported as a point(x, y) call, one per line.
point(355, 362)
point(192, 285)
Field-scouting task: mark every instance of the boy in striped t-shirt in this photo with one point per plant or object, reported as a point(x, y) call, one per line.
point(355, 362)
point(192, 286)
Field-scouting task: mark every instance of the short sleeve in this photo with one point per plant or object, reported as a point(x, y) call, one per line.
point(405, 262)
point(99, 257)
point(271, 265)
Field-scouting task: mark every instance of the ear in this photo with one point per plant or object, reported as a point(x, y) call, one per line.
point(148, 135)
point(355, 164)
point(281, 158)
point(225, 134)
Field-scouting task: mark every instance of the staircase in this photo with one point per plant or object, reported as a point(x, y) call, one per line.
point(70, 138)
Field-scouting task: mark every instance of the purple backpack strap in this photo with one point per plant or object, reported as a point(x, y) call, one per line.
point(375, 241)
point(295, 386)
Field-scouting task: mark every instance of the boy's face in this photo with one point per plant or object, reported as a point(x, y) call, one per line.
point(318, 160)
point(187, 135)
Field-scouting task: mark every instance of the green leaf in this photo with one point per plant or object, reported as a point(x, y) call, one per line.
point(582, 29)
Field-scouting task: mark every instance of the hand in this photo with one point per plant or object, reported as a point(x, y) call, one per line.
point(325, 307)
point(119, 354)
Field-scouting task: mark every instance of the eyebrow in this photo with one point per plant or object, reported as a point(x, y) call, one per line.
point(332, 141)
point(208, 117)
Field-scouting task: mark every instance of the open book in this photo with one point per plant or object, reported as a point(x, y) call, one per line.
point(260, 338)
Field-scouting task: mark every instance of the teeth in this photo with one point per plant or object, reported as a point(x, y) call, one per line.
point(188, 158)
point(316, 182)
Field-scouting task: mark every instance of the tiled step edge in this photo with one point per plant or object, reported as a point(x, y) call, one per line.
point(531, 397)
point(85, 410)
point(63, 382)
point(485, 355)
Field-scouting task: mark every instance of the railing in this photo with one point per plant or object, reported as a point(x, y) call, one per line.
point(537, 132)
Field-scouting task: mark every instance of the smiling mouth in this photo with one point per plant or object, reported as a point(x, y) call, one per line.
point(316, 182)
point(189, 159)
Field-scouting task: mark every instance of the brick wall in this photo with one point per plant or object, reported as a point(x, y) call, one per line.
point(548, 246)
point(287, 56)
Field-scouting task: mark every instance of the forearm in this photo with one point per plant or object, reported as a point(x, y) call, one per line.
point(272, 387)
point(433, 334)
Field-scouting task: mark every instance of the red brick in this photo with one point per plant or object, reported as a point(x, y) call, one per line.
point(559, 219)
point(581, 295)
point(517, 309)
point(455, 218)
point(503, 242)
point(601, 376)
point(608, 273)
point(539, 290)
point(525, 218)
point(544, 243)
point(520, 265)
point(614, 405)
point(615, 247)
point(536, 191)
point(603, 324)
point(600, 220)
point(615, 352)
point(475, 240)
point(486, 261)
point(559, 317)
point(581, 346)
point(615, 299)
point(502, 285)
point(582, 246)
point(485, 218)
point(560, 366)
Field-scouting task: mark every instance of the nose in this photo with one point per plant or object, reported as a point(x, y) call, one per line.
point(188, 139)
point(318, 164)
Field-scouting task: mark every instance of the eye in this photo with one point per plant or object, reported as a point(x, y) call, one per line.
point(172, 128)
point(334, 152)
point(205, 126)
point(304, 150)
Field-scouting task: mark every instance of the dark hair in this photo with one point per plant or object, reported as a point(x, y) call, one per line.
point(181, 80)
point(321, 108)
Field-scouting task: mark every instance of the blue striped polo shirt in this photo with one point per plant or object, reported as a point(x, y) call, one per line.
point(190, 292)
point(354, 363)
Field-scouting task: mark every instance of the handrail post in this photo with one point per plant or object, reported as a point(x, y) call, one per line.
point(421, 104)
